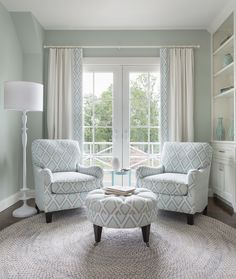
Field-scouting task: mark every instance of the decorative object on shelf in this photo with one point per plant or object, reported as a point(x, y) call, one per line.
point(115, 163)
point(23, 96)
point(228, 58)
point(231, 130)
point(224, 89)
point(225, 39)
point(220, 130)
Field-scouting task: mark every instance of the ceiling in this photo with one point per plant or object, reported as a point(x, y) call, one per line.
point(120, 14)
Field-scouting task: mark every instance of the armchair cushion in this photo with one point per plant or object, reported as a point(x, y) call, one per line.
point(174, 184)
point(73, 182)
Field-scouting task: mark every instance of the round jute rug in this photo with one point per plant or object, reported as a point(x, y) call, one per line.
point(65, 249)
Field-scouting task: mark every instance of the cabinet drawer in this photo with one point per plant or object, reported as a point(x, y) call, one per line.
point(224, 152)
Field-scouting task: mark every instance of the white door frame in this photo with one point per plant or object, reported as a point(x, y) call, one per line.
point(121, 68)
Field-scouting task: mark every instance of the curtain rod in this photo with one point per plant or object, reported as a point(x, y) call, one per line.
point(121, 47)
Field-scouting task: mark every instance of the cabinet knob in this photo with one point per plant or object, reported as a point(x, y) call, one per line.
point(221, 151)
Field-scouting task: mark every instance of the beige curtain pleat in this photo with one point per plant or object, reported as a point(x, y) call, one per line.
point(181, 124)
point(59, 95)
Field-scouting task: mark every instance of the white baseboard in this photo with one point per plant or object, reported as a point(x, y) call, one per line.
point(9, 201)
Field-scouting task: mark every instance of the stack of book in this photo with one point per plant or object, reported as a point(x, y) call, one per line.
point(119, 190)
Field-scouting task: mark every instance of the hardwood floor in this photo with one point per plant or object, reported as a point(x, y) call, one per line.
point(216, 209)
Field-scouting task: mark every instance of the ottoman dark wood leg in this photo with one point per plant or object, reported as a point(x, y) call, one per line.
point(97, 233)
point(146, 233)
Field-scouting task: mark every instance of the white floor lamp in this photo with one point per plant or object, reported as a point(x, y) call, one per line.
point(23, 96)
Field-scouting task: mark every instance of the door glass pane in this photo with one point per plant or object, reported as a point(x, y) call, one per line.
point(138, 99)
point(88, 134)
point(139, 135)
point(144, 118)
point(103, 99)
point(97, 105)
point(154, 135)
point(103, 135)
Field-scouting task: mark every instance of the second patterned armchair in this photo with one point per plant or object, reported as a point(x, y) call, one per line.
point(60, 181)
point(181, 182)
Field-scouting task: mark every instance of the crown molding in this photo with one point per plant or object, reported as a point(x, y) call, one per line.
point(229, 8)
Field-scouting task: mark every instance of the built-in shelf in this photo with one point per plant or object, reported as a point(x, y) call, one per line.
point(227, 94)
point(225, 45)
point(225, 69)
point(223, 141)
point(223, 175)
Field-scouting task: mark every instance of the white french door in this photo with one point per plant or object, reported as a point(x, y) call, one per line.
point(121, 116)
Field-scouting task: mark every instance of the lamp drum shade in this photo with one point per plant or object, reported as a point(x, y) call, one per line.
point(23, 96)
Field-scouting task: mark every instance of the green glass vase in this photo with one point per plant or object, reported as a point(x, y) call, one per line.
point(220, 131)
point(231, 130)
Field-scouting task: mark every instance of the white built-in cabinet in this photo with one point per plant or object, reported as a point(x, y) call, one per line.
point(223, 177)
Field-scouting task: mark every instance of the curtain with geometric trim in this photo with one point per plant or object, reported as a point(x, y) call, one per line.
point(77, 97)
point(64, 95)
point(164, 95)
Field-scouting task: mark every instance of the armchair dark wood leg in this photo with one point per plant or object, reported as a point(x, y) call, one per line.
point(205, 211)
point(48, 216)
point(97, 233)
point(190, 219)
point(146, 233)
point(36, 207)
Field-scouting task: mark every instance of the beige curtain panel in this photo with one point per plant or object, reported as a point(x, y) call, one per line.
point(59, 95)
point(181, 94)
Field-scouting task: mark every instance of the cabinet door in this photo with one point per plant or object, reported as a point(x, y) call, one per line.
point(229, 190)
point(218, 177)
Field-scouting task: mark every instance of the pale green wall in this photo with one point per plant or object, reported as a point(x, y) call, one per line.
point(31, 37)
point(11, 68)
point(21, 56)
point(202, 109)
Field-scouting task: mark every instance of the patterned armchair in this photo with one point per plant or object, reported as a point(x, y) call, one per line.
point(181, 181)
point(60, 181)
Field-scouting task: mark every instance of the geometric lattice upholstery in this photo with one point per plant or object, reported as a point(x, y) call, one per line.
point(167, 183)
point(137, 210)
point(56, 155)
point(60, 181)
point(181, 182)
point(181, 157)
point(72, 182)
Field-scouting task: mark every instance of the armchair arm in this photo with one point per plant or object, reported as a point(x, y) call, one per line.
point(47, 176)
point(93, 170)
point(198, 182)
point(43, 179)
point(144, 171)
point(198, 178)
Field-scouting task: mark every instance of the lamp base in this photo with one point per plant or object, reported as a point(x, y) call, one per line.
point(24, 211)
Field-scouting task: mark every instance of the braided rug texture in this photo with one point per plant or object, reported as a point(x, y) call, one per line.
point(65, 249)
